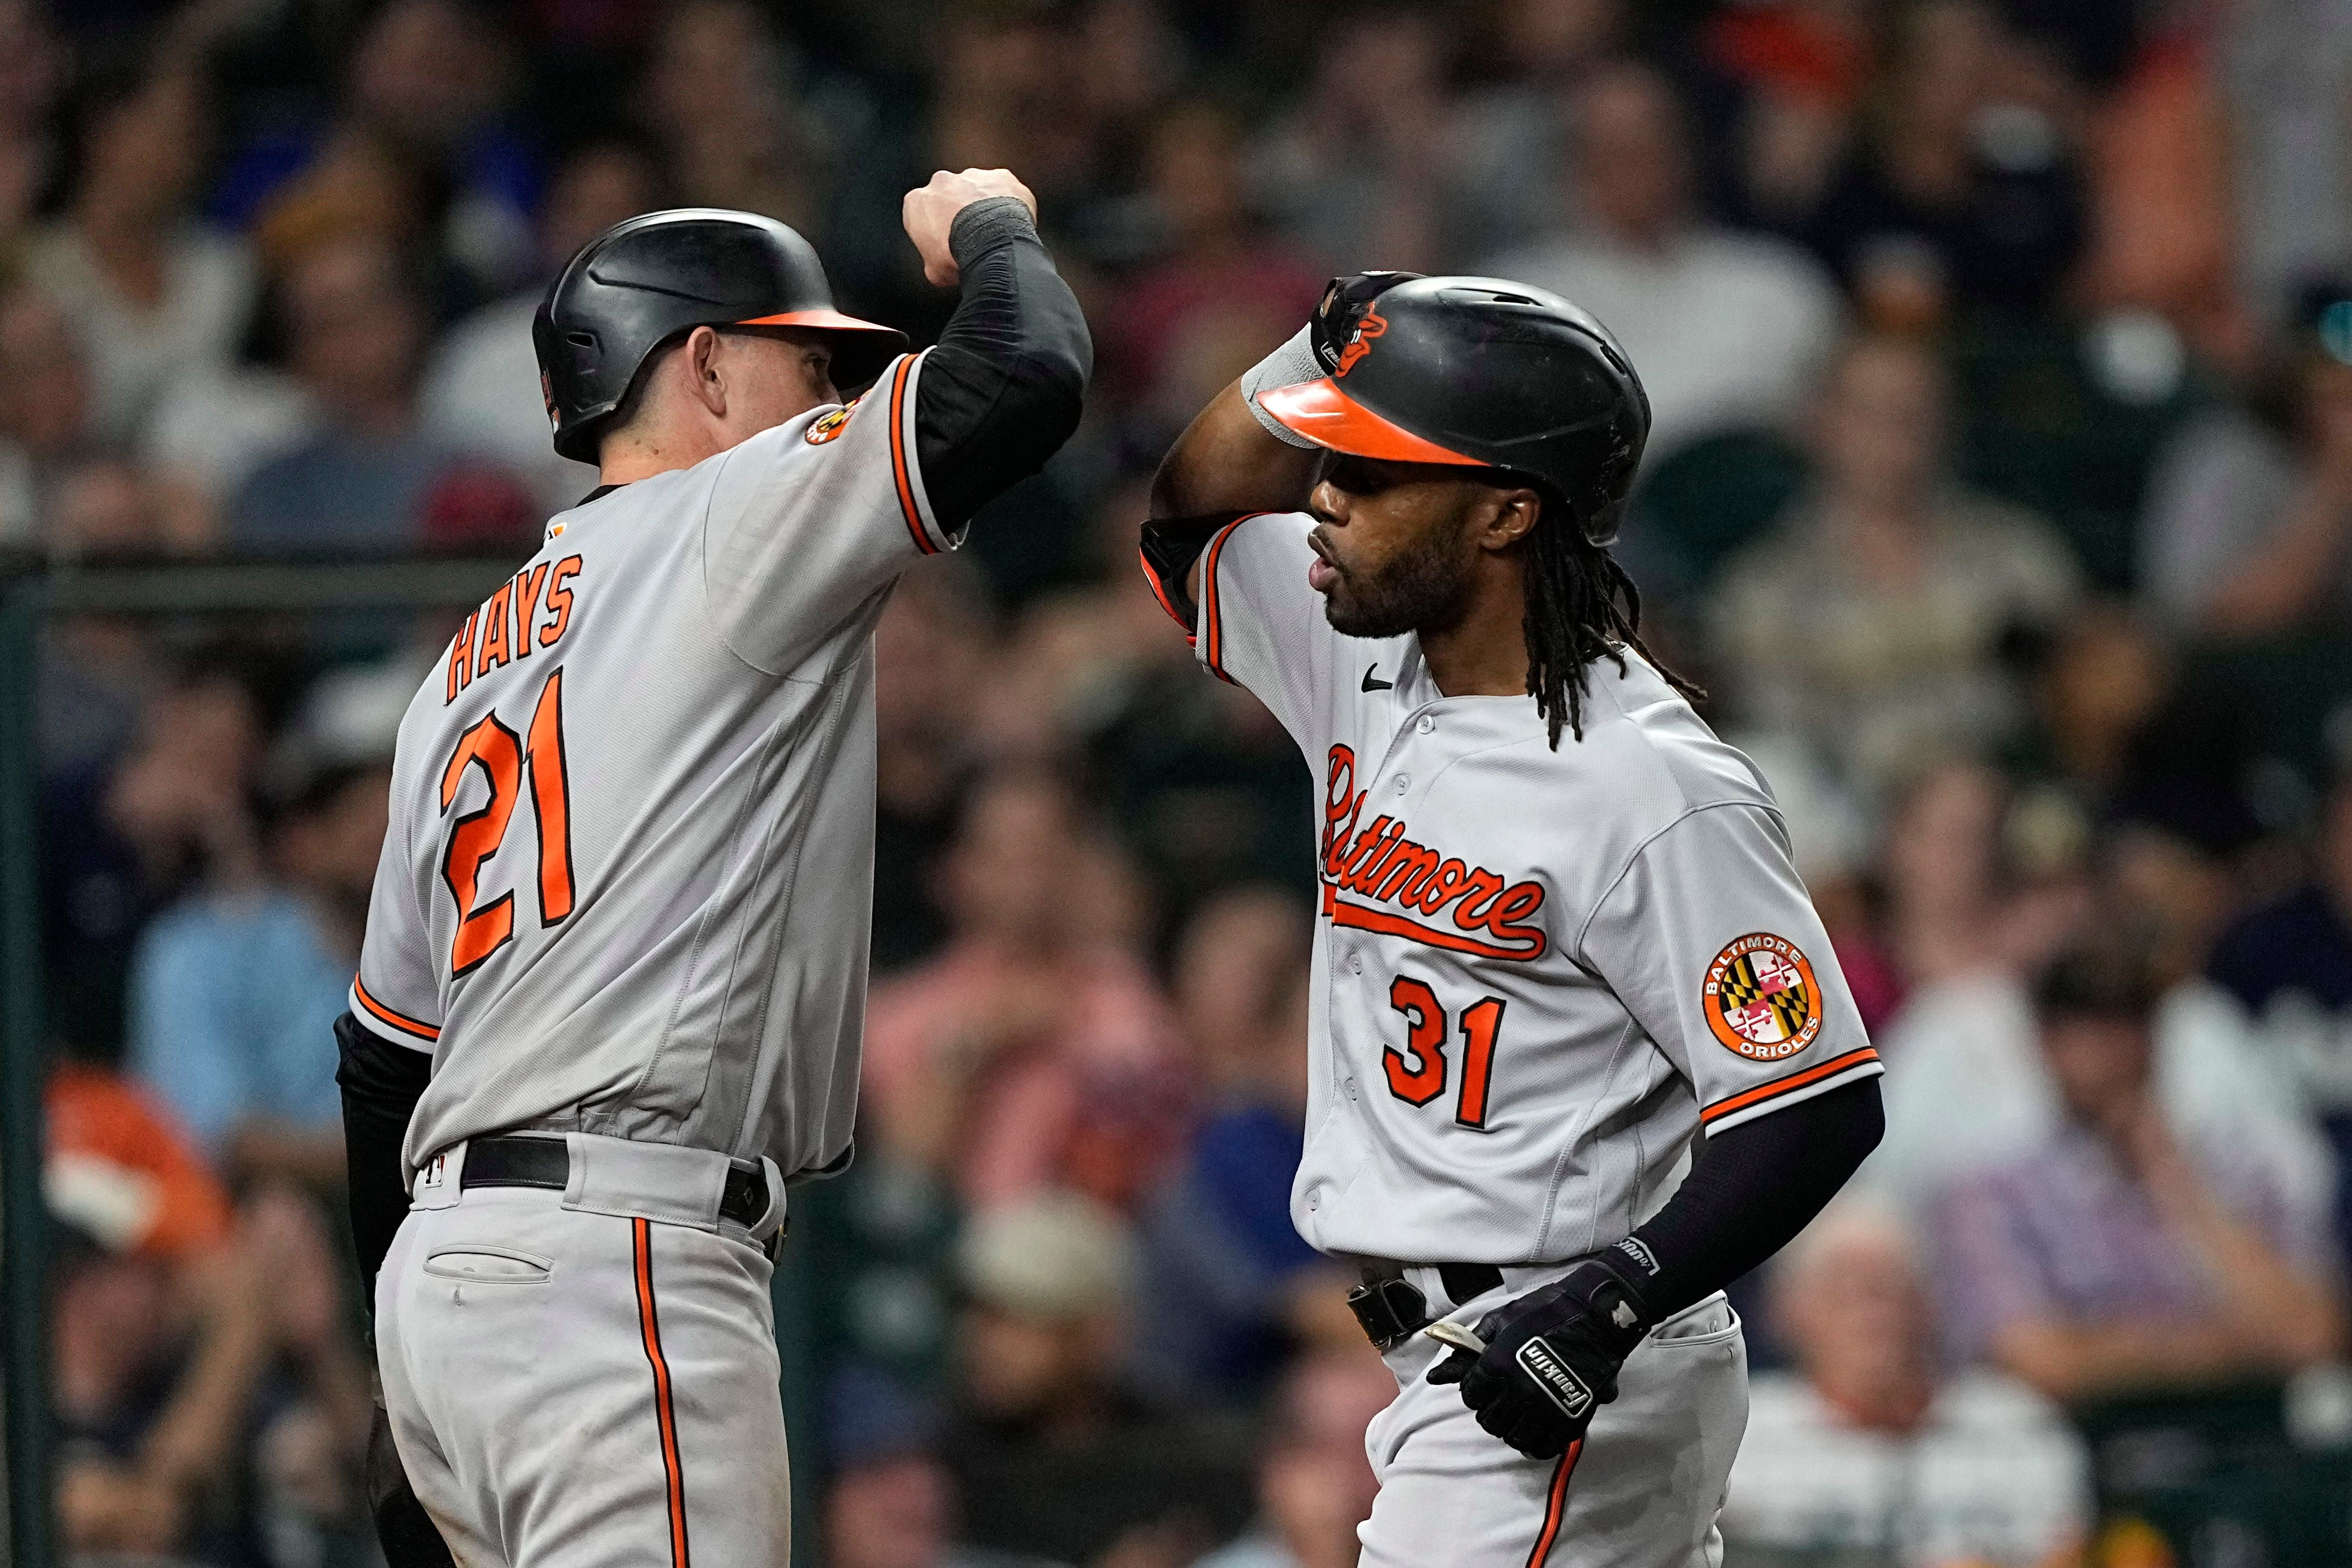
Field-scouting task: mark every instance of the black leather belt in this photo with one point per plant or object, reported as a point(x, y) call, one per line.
point(520, 1160)
point(1391, 1307)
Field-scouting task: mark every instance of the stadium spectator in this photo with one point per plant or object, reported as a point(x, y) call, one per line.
point(235, 990)
point(1314, 1485)
point(930, 649)
point(1536, 55)
point(481, 394)
point(1974, 1085)
point(1727, 329)
point(422, 115)
point(720, 94)
point(1362, 166)
point(1962, 189)
point(32, 72)
point(2248, 526)
point(1034, 1050)
point(358, 482)
point(1231, 1283)
point(161, 1377)
point(2284, 65)
point(1054, 1452)
point(1868, 1445)
point(1904, 586)
point(889, 1501)
point(1804, 67)
point(1221, 295)
point(116, 1156)
point(2287, 963)
point(898, 1510)
point(2118, 1255)
point(45, 410)
point(154, 296)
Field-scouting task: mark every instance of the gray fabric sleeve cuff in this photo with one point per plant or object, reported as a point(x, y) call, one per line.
point(985, 225)
point(1287, 366)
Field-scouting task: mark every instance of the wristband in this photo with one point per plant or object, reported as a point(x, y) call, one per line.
point(986, 224)
point(1289, 366)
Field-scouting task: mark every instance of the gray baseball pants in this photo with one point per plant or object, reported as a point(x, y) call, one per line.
point(1641, 1491)
point(588, 1378)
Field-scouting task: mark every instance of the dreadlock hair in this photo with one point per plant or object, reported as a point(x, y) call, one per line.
point(1580, 606)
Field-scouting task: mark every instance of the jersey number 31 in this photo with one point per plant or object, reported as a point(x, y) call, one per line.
point(504, 757)
point(1417, 1073)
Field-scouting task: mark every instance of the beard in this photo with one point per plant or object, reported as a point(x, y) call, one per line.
point(1425, 585)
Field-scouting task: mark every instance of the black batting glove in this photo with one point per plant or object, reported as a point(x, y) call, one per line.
point(1340, 316)
point(1552, 1358)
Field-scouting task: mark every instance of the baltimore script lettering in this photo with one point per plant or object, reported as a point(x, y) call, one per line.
point(1380, 864)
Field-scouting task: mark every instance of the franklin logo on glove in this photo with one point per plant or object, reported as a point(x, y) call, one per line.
point(1555, 1378)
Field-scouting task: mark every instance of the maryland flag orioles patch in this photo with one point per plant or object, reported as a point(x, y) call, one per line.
point(1761, 999)
point(826, 428)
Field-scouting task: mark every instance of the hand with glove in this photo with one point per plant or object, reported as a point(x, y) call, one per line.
point(1317, 348)
point(1550, 1358)
point(1339, 320)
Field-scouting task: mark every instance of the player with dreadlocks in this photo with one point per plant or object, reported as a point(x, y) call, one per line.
point(1579, 1053)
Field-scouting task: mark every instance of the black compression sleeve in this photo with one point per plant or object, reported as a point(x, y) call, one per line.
point(1749, 1192)
point(1170, 546)
point(382, 1083)
point(1004, 387)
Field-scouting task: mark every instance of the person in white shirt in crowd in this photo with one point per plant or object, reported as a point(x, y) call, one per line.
point(1729, 329)
point(154, 293)
point(1969, 1086)
point(479, 395)
point(1867, 1445)
point(2247, 530)
point(1870, 618)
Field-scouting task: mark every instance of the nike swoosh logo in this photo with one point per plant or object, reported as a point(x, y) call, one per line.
point(1372, 685)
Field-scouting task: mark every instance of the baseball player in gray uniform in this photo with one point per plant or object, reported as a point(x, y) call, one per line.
point(1579, 1053)
point(609, 1000)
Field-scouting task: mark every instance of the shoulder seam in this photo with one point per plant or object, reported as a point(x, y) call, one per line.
point(1685, 815)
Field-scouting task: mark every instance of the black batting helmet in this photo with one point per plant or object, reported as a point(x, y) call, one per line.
point(641, 283)
point(1487, 373)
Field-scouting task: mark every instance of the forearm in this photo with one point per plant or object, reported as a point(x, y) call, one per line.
point(1226, 462)
point(196, 1435)
point(1749, 1192)
point(1004, 387)
point(2295, 1320)
point(2070, 1363)
point(338, 1379)
point(382, 1083)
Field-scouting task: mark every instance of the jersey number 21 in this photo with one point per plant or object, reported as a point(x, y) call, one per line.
point(504, 757)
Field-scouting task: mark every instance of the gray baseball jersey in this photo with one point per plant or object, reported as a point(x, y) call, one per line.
point(628, 881)
point(1539, 975)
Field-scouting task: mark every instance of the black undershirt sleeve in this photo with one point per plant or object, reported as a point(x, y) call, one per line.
point(1004, 387)
point(1752, 1189)
point(381, 1083)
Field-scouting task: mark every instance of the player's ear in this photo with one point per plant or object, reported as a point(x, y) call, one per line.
point(1511, 514)
point(703, 372)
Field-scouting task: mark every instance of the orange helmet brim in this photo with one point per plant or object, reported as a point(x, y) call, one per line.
point(1328, 417)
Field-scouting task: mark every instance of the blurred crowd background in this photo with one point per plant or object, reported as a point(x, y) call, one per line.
point(2000, 493)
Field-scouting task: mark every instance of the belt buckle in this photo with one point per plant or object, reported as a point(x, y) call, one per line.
point(1390, 1311)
